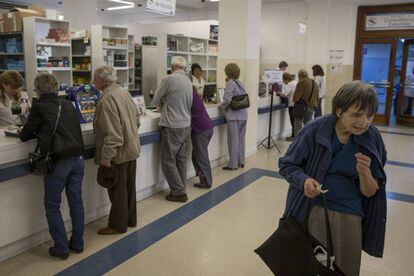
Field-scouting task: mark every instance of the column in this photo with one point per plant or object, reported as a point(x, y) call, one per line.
point(80, 13)
point(239, 36)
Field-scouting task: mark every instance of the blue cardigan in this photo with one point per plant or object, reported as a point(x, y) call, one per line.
point(310, 155)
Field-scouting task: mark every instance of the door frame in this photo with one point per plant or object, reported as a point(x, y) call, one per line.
point(403, 119)
point(364, 36)
point(378, 118)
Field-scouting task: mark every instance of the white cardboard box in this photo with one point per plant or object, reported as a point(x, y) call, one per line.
point(51, 14)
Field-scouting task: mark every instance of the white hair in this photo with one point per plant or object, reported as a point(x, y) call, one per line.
point(178, 62)
point(106, 73)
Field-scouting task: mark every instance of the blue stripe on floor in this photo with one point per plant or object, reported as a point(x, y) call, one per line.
point(397, 133)
point(126, 248)
point(131, 245)
point(400, 164)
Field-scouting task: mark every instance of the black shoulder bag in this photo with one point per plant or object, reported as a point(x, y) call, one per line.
point(42, 164)
point(292, 250)
point(240, 101)
point(300, 107)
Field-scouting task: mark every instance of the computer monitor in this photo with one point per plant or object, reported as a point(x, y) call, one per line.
point(209, 91)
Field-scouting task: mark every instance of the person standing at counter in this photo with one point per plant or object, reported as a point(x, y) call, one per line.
point(197, 79)
point(306, 91)
point(67, 147)
point(319, 78)
point(14, 101)
point(236, 119)
point(201, 133)
point(117, 146)
point(175, 98)
point(290, 86)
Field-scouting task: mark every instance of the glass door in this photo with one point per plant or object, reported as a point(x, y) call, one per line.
point(405, 107)
point(374, 65)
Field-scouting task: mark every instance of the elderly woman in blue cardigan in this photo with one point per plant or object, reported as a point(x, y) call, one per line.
point(344, 154)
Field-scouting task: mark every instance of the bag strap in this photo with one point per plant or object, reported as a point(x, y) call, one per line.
point(240, 87)
point(313, 85)
point(55, 127)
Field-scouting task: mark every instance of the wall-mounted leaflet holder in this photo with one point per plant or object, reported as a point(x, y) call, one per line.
point(85, 99)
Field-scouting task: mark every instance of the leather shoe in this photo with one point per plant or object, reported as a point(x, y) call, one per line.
point(108, 231)
point(241, 166)
point(179, 198)
point(77, 251)
point(202, 186)
point(229, 169)
point(53, 253)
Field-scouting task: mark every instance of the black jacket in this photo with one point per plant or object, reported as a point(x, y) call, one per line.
point(68, 141)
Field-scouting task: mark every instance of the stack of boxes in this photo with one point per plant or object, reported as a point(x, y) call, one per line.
point(12, 21)
point(58, 35)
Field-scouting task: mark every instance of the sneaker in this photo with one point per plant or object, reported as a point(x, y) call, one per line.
point(53, 253)
point(179, 198)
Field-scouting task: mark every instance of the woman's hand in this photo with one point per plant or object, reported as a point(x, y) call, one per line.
point(363, 164)
point(311, 187)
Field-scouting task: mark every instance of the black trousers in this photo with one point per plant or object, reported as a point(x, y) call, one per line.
point(123, 212)
point(292, 121)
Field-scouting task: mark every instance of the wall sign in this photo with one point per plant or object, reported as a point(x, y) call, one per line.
point(389, 21)
point(336, 56)
point(166, 7)
point(272, 75)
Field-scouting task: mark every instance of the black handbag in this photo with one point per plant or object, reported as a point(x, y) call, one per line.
point(240, 101)
point(300, 107)
point(292, 250)
point(42, 164)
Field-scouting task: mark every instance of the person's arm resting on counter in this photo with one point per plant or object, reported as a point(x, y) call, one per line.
point(160, 94)
point(32, 125)
point(111, 127)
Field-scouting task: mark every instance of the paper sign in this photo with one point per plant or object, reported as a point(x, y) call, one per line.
point(273, 75)
point(166, 7)
point(336, 56)
point(390, 21)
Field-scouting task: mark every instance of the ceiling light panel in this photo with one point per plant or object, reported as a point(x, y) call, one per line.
point(123, 2)
point(120, 8)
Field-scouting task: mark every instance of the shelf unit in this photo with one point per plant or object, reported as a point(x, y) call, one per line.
point(12, 52)
point(81, 61)
point(40, 32)
point(131, 63)
point(110, 47)
point(195, 50)
point(137, 77)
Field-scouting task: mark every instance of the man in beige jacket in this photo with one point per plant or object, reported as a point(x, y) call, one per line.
point(117, 145)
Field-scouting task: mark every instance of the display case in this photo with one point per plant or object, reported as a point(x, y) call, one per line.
point(81, 61)
point(137, 71)
point(12, 52)
point(47, 47)
point(131, 63)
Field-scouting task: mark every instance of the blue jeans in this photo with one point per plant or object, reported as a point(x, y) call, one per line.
point(67, 175)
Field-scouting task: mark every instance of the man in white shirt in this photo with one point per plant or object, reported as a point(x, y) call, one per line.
point(290, 86)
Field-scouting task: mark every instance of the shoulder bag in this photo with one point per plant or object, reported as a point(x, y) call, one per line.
point(292, 250)
point(240, 101)
point(300, 107)
point(42, 164)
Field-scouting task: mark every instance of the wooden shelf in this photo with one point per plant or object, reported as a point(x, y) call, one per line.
point(53, 44)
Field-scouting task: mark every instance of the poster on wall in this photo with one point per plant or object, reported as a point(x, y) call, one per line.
point(389, 21)
point(336, 56)
point(214, 32)
point(166, 7)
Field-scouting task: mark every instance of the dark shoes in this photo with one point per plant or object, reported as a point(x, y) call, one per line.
point(53, 253)
point(109, 231)
point(229, 169)
point(290, 139)
point(241, 166)
point(202, 186)
point(179, 198)
point(77, 251)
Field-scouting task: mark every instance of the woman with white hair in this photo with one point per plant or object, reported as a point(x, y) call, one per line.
point(67, 148)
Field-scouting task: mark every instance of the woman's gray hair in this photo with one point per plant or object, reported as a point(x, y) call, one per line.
point(356, 93)
point(106, 73)
point(46, 83)
point(302, 73)
point(178, 62)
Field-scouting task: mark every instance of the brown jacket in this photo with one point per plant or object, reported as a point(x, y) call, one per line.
point(116, 126)
point(303, 91)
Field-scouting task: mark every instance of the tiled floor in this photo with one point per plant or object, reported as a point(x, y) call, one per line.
point(221, 240)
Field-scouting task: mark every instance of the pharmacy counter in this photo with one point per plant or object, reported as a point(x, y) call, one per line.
point(21, 193)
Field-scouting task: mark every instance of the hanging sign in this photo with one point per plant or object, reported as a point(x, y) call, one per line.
point(166, 7)
point(389, 21)
point(273, 75)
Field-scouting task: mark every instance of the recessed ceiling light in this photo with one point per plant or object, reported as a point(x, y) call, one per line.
point(214, 0)
point(123, 2)
point(120, 7)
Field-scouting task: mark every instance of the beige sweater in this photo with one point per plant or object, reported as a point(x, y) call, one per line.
point(116, 126)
